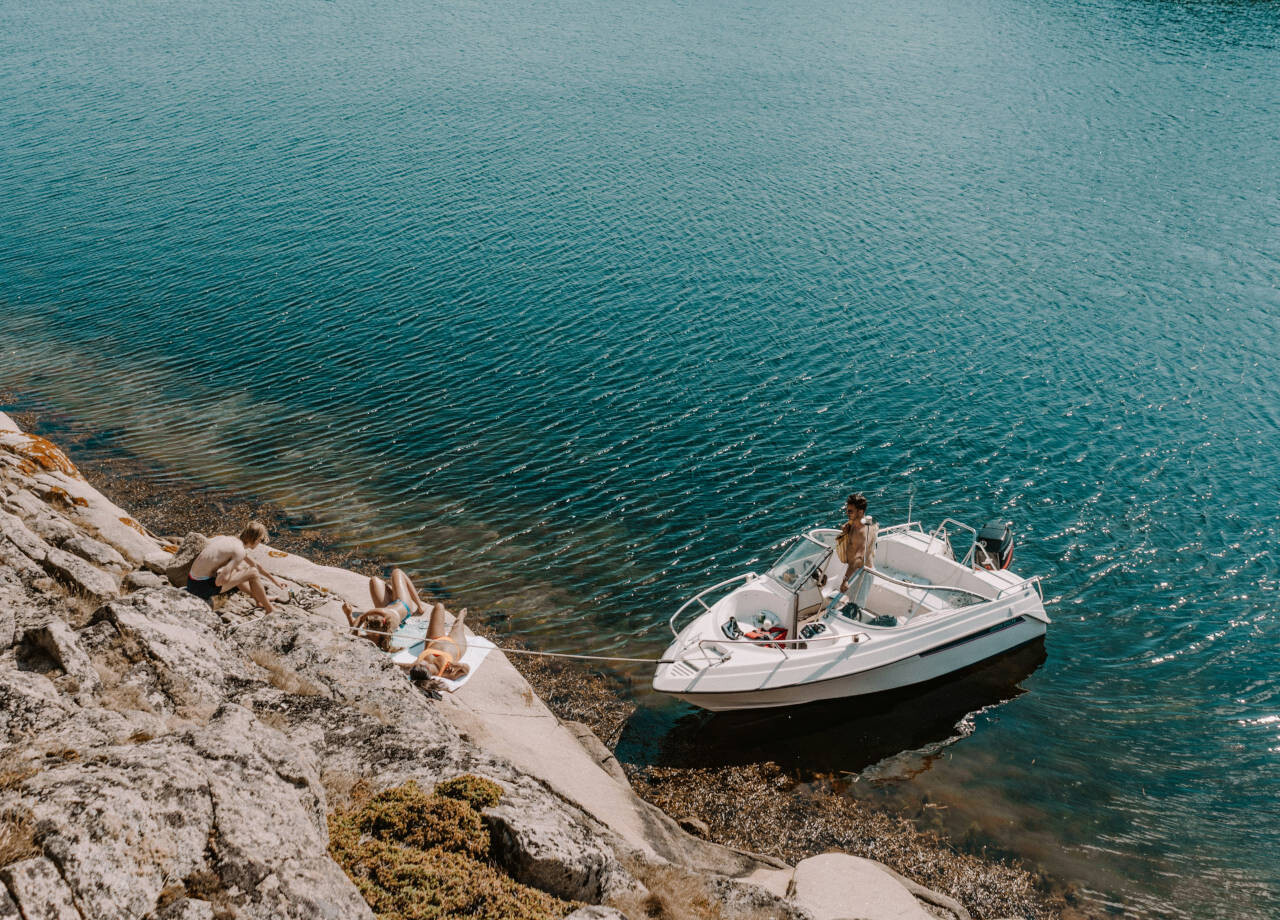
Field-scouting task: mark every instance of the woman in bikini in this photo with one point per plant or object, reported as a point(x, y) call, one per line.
point(442, 654)
point(392, 605)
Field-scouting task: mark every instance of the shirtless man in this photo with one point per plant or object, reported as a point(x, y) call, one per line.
point(224, 564)
point(855, 545)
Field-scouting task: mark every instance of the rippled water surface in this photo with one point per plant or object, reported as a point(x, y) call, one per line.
point(579, 307)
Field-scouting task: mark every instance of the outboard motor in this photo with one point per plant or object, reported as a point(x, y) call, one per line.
point(995, 546)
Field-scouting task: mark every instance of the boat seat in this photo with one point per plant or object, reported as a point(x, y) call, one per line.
point(893, 572)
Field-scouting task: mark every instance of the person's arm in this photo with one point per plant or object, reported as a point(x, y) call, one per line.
point(271, 578)
point(857, 559)
point(848, 573)
point(224, 572)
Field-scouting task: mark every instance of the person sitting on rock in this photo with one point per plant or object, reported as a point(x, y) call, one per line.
point(392, 604)
point(224, 565)
point(442, 655)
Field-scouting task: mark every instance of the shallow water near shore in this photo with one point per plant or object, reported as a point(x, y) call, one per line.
point(577, 310)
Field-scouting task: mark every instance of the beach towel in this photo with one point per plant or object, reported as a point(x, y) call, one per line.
point(410, 641)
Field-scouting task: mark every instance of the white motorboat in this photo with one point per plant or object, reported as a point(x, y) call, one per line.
point(790, 636)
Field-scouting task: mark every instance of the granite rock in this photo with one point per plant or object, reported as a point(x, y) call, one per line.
point(175, 760)
point(56, 639)
point(178, 566)
point(545, 843)
point(39, 890)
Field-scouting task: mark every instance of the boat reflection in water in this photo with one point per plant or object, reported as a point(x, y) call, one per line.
point(838, 736)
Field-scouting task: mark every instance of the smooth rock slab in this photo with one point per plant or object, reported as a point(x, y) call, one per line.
point(91, 550)
point(80, 575)
point(837, 886)
point(143, 578)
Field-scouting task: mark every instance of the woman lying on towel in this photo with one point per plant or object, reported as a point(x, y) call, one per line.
point(395, 603)
point(392, 605)
point(442, 654)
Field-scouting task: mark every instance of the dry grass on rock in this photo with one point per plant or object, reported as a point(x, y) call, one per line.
point(673, 893)
point(476, 791)
point(283, 677)
point(17, 836)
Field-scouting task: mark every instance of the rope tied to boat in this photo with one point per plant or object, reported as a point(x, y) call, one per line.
point(526, 651)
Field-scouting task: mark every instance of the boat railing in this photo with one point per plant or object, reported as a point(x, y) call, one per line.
point(942, 533)
point(884, 576)
point(782, 644)
point(904, 527)
point(701, 594)
point(1032, 582)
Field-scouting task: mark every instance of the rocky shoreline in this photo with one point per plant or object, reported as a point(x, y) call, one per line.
point(164, 760)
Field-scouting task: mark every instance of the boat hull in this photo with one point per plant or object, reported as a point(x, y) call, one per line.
point(929, 665)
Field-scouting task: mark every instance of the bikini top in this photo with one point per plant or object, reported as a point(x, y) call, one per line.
point(449, 659)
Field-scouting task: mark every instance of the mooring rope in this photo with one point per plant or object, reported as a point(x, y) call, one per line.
point(525, 651)
point(363, 633)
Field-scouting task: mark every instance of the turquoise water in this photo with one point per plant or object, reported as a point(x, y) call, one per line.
point(577, 309)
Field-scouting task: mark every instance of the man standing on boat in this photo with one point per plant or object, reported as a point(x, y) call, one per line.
point(856, 544)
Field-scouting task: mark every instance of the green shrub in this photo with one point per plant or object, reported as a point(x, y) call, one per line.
point(476, 791)
point(410, 817)
point(415, 856)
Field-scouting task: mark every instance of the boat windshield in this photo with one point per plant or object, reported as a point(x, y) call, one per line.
point(798, 562)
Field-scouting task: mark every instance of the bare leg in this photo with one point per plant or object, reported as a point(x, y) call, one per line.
point(405, 592)
point(379, 592)
point(459, 631)
point(245, 577)
point(458, 635)
point(435, 628)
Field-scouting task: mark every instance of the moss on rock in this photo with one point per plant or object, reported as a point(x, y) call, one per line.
point(476, 791)
point(410, 817)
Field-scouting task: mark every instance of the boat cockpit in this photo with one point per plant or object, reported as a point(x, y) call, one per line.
point(916, 576)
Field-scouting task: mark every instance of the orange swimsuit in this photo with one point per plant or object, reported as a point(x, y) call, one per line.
point(439, 653)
